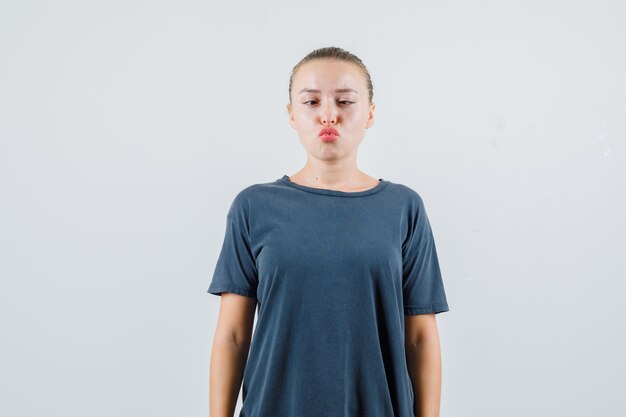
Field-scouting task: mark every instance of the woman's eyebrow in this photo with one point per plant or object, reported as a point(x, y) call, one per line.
point(339, 90)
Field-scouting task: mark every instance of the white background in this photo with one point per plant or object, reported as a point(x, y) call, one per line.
point(127, 127)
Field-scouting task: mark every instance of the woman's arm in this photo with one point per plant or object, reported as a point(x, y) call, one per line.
point(229, 353)
point(423, 355)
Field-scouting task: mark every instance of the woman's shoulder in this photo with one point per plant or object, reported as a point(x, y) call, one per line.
point(255, 190)
point(250, 194)
point(405, 192)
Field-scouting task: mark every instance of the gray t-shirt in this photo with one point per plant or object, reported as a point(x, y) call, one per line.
point(334, 273)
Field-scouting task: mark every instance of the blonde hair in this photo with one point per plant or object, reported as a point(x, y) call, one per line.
point(332, 52)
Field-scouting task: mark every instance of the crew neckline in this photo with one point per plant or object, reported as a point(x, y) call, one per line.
point(326, 191)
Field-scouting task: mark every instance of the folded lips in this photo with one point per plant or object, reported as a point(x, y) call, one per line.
point(329, 131)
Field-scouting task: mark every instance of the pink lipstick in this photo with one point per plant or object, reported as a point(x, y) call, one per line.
point(329, 134)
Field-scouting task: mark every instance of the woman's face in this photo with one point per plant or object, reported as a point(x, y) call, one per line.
point(348, 111)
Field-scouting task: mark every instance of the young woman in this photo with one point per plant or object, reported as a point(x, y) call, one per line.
point(343, 269)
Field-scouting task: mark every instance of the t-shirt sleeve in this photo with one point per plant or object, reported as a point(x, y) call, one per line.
point(422, 284)
point(236, 269)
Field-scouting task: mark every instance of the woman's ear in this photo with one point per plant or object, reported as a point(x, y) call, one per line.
point(291, 119)
point(370, 119)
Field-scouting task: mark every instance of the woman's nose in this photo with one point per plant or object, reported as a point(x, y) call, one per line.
point(329, 114)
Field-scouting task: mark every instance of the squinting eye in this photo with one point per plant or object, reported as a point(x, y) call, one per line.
point(343, 101)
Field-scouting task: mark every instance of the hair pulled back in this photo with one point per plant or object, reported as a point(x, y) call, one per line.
point(332, 52)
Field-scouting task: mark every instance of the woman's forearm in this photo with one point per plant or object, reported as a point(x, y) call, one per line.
point(228, 360)
point(424, 362)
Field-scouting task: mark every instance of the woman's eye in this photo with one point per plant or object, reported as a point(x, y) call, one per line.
point(342, 102)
